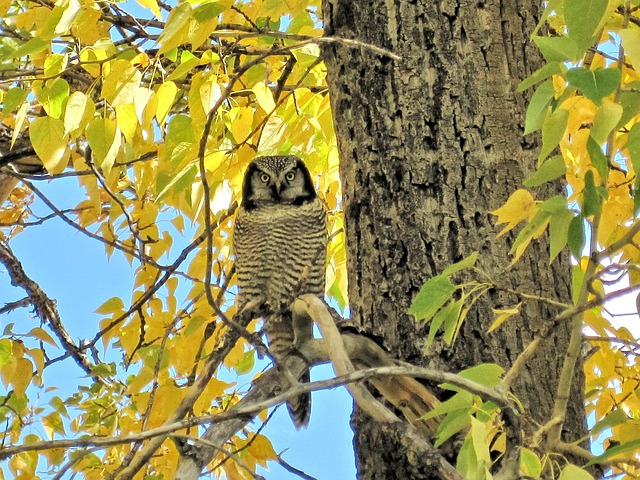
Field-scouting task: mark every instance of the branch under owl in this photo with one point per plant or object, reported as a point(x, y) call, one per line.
point(355, 357)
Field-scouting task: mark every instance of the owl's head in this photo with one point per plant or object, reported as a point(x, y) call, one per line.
point(278, 179)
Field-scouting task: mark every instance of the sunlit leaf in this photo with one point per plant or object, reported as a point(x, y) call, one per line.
point(517, 208)
point(176, 28)
point(104, 139)
point(121, 83)
point(49, 140)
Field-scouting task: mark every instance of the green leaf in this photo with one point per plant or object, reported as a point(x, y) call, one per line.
point(553, 130)
point(529, 229)
point(559, 224)
point(450, 313)
point(538, 107)
point(594, 84)
point(598, 159)
point(431, 297)
point(246, 364)
point(55, 64)
point(188, 61)
point(35, 45)
point(557, 49)
point(53, 96)
point(633, 145)
point(551, 169)
point(453, 423)
point(486, 374)
point(591, 200)
point(575, 238)
point(630, 102)
point(467, 262)
point(610, 453)
point(14, 97)
point(606, 119)
point(631, 43)
point(6, 347)
point(50, 141)
point(554, 68)
point(176, 28)
point(582, 19)
point(151, 354)
point(452, 323)
point(530, 464)
point(103, 370)
point(611, 419)
point(571, 472)
point(554, 205)
point(577, 279)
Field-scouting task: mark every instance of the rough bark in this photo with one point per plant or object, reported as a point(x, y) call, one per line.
point(429, 145)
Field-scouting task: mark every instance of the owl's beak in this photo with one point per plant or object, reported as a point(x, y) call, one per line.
point(277, 187)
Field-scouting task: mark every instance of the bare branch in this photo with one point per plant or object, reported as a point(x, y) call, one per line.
point(45, 307)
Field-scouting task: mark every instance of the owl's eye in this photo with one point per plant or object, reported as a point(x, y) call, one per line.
point(264, 178)
point(290, 176)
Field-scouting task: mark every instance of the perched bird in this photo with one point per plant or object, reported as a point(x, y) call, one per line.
point(280, 243)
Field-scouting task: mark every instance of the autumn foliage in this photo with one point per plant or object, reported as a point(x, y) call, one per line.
point(157, 108)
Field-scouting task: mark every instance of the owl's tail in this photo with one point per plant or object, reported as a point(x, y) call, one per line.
point(300, 406)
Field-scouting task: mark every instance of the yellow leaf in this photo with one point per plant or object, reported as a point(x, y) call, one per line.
point(523, 246)
point(88, 60)
point(166, 95)
point(503, 315)
point(87, 27)
point(121, 83)
point(215, 388)
point(77, 110)
point(153, 6)
point(104, 139)
point(127, 120)
point(631, 43)
point(146, 102)
point(235, 355)
point(241, 125)
point(4, 7)
point(176, 28)
point(18, 373)
point(264, 96)
point(114, 305)
point(517, 208)
point(210, 93)
point(41, 334)
point(37, 355)
point(262, 449)
point(50, 141)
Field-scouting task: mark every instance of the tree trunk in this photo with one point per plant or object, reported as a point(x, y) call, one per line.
point(429, 145)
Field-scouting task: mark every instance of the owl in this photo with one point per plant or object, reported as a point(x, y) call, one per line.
point(280, 243)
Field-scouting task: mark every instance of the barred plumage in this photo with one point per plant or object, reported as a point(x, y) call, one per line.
point(280, 244)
